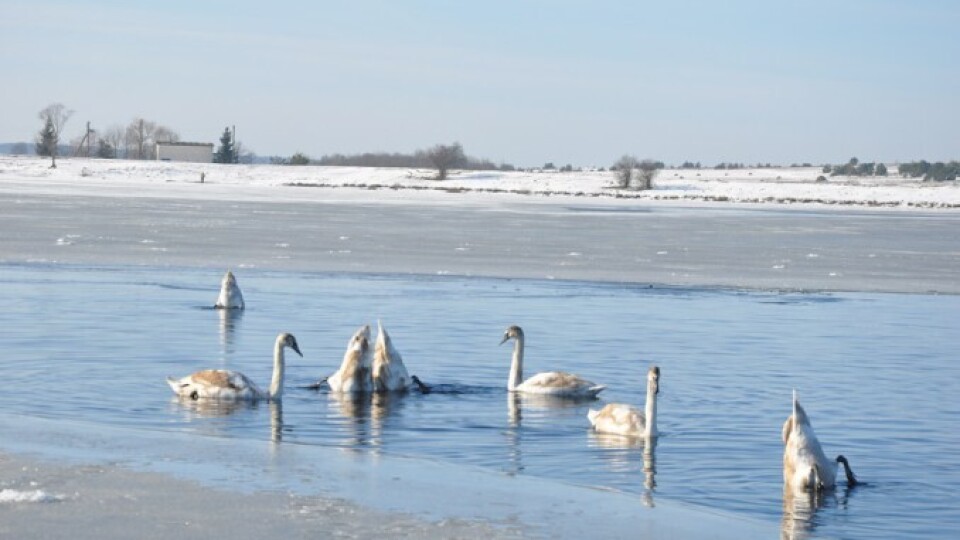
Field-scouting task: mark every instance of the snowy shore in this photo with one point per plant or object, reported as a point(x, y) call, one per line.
point(773, 186)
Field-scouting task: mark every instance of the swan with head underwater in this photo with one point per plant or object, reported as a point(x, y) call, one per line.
point(230, 295)
point(805, 466)
point(622, 419)
point(355, 373)
point(389, 373)
point(232, 385)
point(548, 383)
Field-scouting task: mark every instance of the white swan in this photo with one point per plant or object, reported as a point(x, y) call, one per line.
point(622, 419)
point(233, 385)
point(553, 383)
point(230, 295)
point(805, 466)
point(354, 375)
point(389, 372)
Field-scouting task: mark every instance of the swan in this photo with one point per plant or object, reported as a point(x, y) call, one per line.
point(230, 295)
point(553, 383)
point(389, 372)
point(805, 466)
point(354, 375)
point(622, 419)
point(233, 385)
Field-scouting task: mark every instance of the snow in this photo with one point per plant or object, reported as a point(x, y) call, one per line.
point(776, 186)
point(11, 496)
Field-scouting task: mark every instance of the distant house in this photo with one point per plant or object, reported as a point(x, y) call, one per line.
point(192, 152)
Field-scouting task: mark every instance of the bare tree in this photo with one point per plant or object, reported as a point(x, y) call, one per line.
point(115, 137)
point(629, 168)
point(623, 170)
point(648, 171)
point(54, 117)
point(139, 132)
point(444, 157)
point(142, 136)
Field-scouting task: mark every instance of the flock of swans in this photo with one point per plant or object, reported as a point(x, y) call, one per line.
point(380, 369)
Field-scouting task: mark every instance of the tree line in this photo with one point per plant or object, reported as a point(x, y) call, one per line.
point(937, 172)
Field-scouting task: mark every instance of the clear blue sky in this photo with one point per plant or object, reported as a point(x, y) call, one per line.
point(521, 81)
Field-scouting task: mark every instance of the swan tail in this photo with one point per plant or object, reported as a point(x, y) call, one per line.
point(174, 385)
point(596, 389)
point(592, 416)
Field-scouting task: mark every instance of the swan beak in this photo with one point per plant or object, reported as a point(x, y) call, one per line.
point(505, 338)
point(296, 349)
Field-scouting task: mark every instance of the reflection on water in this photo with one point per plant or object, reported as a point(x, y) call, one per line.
point(229, 324)
point(800, 509)
point(733, 359)
point(620, 455)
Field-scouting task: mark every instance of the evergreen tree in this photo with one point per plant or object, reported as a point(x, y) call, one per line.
point(880, 170)
point(47, 140)
point(226, 153)
point(106, 150)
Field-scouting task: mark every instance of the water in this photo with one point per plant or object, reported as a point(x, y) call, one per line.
point(877, 374)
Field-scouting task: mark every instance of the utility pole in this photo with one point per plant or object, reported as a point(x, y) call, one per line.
point(86, 139)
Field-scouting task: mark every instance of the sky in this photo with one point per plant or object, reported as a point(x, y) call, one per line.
point(516, 81)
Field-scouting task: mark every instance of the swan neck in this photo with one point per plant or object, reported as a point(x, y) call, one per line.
point(516, 367)
point(651, 411)
point(276, 383)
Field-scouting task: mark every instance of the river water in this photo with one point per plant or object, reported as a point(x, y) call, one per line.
point(877, 373)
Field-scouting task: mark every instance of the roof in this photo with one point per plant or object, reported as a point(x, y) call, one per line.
point(183, 144)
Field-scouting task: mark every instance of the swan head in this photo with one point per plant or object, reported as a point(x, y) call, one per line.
point(514, 332)
point(228, 279)
point(653, 380)
point(289, 341)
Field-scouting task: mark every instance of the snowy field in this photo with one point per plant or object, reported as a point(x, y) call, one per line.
point(787, 186)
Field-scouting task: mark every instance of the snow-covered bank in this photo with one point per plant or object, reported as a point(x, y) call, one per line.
point(789, 186)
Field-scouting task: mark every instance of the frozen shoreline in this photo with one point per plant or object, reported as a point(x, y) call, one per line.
point(299, 491)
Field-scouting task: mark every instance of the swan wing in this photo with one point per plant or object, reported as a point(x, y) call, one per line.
point(215, 384)
point(559, 383)
point(618, 418)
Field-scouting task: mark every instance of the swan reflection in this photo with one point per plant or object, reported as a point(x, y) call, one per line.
point(365, 415)
point(229, 323)
point(621, 453)
point(800, 508)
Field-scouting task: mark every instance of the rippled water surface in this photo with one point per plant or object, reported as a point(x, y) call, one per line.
point(878, 375)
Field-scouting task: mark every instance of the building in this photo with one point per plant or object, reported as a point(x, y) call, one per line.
point(192, 152)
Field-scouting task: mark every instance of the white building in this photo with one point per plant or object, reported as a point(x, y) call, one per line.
point(185, 151)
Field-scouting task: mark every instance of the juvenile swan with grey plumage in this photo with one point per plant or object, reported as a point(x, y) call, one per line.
point(623, 419)
point(230, 295)
point(229, 385)
point(552, 383)
point(805, 466)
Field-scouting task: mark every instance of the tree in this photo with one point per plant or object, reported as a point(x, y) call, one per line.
point(106, 150)
point(445, 157)
point(54, 117)
point(226, 153)
point(299, 159)
point(115, 136)
point(648, 171)
point(47, 141)
point(141, 137)
point(880, 169)
point(623, 170)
